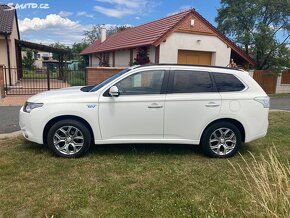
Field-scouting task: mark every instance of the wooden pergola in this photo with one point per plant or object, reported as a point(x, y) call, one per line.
point(19, 44)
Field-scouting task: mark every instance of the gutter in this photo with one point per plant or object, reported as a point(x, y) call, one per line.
point(8, 58)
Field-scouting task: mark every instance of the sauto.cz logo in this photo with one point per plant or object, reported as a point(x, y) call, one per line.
point(20, 6)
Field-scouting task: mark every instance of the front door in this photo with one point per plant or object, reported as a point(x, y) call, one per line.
point(137, 113)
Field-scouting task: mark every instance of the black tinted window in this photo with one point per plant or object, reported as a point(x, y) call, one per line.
point(227, 82)
point(191, 82)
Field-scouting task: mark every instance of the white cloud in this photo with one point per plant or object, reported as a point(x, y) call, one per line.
point(121, 8)
point(137, 18)
point(114, 12)
point(65, 13)
point(51, 20)
point(127, 3)
point(84, 14)
point(52, 28)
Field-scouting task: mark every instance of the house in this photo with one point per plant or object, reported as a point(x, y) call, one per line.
point(183, 38)
point(9, 32)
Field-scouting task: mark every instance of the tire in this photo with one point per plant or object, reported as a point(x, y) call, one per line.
point(69, 138)
point(221, 140)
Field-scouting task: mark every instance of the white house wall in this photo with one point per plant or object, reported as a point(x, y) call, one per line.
point(187, 41)
point(122, 58)
point(3, 53)
point(94, 60)
point(151, 54)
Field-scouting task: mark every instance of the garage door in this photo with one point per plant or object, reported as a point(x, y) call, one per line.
point(194, 57)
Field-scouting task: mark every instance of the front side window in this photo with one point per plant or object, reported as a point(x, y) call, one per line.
point(146, 82)
point(191, 82)
point(228, 82)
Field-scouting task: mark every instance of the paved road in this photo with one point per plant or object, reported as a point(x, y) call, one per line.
point(9, 119)
point(280, 103)
point(9, 115)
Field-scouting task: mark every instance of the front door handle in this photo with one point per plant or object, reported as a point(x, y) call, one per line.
point(212, 104)
point(155, 105)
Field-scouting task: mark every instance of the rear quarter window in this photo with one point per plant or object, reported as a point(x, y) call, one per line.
point(228, 83)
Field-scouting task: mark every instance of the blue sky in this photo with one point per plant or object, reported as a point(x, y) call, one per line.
point(64, 21)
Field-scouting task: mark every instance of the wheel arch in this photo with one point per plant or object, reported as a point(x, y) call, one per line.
point(51, 122)
point(235, 122)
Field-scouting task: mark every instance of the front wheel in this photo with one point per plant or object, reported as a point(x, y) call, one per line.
point(69, 138)
point(221, 140)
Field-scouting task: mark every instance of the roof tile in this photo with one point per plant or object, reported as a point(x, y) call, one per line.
point(6, 19)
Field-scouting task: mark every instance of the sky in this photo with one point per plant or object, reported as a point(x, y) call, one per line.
point(64, 21)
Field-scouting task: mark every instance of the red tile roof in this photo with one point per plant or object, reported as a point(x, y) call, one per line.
point(145, 34)
point(154, 33)
point(6, 19)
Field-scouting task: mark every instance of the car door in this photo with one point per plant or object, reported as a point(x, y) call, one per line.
point(191, 103)
point(137, 113)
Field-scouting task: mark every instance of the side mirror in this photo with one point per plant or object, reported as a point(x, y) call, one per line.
point(114, 91)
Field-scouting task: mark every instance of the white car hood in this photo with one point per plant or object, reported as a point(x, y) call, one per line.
point(58, 95)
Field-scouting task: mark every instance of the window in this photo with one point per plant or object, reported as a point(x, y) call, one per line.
point(227, 82)
point(191, 82)
point(147, 82)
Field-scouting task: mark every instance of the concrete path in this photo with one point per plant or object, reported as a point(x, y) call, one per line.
point(9, 114)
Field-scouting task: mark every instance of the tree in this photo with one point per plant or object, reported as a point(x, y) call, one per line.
point(260, 27)
point(29, 58)
point(55, 56)
point(90, 36)
point(142, 56)
point(75, 51)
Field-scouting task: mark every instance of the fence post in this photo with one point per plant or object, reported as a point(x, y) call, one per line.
point(48, 79)
point(86, 76)
point(2, 93)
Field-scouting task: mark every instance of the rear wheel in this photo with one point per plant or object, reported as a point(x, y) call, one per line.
point(221, 140)
point(69, 138)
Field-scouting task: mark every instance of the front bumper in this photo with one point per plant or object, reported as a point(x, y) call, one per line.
point(29, 127)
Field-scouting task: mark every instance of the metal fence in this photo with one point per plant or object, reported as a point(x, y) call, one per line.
point(32, 81)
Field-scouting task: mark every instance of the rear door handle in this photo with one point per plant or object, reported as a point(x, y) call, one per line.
point(155, 105)
point(212, 104)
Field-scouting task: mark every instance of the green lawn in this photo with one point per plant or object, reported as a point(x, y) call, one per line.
point(133, 180)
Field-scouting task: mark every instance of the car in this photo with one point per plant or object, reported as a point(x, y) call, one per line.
point(214, 107)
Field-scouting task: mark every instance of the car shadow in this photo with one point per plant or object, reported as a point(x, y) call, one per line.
point(137, 149)
point(163, 149)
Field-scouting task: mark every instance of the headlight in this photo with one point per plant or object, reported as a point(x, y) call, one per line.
point(29, 106)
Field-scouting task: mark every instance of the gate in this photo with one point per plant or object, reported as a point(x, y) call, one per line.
point(33, 81)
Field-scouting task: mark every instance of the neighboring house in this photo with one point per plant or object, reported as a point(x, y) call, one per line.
point(183, 38)
point(9, 32)
point(40, 57)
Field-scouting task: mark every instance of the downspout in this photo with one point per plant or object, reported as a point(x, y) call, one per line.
point(8, 58)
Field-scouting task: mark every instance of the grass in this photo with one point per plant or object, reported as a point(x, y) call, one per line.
point(138, 180)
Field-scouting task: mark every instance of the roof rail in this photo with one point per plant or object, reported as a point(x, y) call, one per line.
point(191, 65)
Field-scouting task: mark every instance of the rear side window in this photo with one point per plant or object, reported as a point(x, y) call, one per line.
point(227, 82)
point(191, 82)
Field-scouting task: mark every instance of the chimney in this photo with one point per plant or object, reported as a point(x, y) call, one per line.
point(103, 33)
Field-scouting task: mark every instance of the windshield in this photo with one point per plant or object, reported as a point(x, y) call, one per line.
point(110, 79)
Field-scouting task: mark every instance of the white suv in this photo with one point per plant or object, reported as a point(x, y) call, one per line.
point(218, 108)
